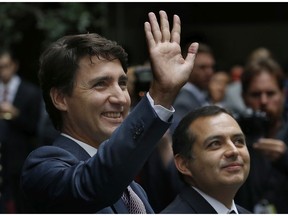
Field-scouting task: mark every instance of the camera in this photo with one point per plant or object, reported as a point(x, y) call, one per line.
point(254, 124)
point(143, 78)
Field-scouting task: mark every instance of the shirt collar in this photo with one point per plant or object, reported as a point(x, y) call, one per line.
point(89, 149)
point(218, 206)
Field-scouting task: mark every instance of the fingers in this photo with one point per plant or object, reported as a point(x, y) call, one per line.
point(149, 36)
point(155, 29)
point(176, 31)
point(162, 33)
point(165, 29)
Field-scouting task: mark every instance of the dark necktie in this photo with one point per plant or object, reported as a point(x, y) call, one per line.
point(133, 202)
point(5, 93)
point(232, 212)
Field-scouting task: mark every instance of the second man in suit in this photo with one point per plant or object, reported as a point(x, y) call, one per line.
point(211, 156)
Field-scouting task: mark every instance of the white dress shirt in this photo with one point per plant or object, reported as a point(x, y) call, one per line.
point(218, 206)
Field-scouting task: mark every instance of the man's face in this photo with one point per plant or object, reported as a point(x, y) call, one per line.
point(220, 156)
point(264, 94)
point(203, 70)
point(217, 86)
point(7, 68)
point(99, 103)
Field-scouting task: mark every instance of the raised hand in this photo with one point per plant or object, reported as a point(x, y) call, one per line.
point(273, 149)
point(170, 70)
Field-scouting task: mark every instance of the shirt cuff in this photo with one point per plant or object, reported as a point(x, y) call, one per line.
point(163, 113)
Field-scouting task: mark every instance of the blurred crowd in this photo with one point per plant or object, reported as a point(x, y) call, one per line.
point(255, 92)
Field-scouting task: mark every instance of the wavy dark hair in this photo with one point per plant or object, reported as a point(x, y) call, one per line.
point(59, 65)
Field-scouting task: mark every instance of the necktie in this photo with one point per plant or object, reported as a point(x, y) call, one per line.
point(5, 94)
point(232, 212)
point(133, 202)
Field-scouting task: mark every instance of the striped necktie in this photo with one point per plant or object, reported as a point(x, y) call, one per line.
point(133, 202)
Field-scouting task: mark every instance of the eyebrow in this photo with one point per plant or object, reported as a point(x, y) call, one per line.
point(107, 78)
point(238, 135)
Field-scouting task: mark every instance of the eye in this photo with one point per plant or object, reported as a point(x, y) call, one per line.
point(271, 93)
point(239, 141)
point(214, 144)
point(100, 84)
point(255, 94)
point(123, 84)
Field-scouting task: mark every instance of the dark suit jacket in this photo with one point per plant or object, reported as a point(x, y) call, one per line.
point(189, 201)
point(64, 179)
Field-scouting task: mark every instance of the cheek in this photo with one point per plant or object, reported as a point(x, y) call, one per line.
point(128, 99)
point(253, 103)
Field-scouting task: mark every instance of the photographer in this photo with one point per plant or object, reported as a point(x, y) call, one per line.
point(266, 189)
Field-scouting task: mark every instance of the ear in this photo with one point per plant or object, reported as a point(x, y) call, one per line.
point(182, 165)
point(58, 99)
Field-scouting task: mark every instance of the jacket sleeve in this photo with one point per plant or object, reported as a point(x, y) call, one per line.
point(56, 181)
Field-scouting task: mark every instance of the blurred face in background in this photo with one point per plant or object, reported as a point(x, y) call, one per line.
point(8, 68)
point(203, 70)
point(264, 94)
point(217, 86)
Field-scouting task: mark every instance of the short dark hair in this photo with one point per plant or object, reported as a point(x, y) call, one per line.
point(183, 139)
point(256, 67)
point(59, 64)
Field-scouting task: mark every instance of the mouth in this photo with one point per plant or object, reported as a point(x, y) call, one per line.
point(233, 166)
point(113, 115)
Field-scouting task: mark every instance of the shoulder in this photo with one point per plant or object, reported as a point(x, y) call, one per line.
point(178, 205)
point(50, 155)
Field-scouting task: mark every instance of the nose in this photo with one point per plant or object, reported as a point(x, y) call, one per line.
point(118, 95)
point(263, 98)
point(231, 150)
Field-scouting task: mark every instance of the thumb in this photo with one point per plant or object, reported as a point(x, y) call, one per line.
point(192, 51)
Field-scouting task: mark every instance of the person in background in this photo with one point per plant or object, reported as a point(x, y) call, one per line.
point(217, 88)
point(233, 100)
point(20, 104)
point(266, 130)
point(211, 156)
point(90, 168)
point(194, 93)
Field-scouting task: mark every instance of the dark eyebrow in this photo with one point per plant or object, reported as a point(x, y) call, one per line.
point(99, 79)
point(208, 139)
point(107, 78)
point(238, 135)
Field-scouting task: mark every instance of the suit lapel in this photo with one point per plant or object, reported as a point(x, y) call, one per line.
point(196, 201)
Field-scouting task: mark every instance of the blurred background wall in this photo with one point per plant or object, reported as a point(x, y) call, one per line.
point(233, 30)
